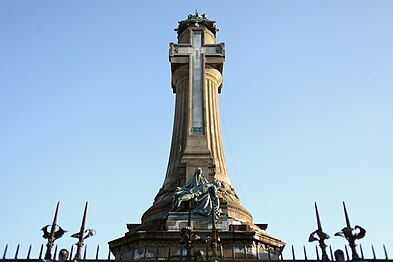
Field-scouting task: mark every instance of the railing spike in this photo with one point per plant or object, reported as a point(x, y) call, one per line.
point(361, 251)
point(5, 251)
point(331, 253)
point(346, 253)
point(84, 254)
point(293, 253)
point(305, 253)
point(28, 253)
point(97, 251)
point(316, 252)
point(17, 251)
point(386, 253)
point(109, 254)
point(72, 250)
point(373, 250)
point(55, 254)
point(41, 249)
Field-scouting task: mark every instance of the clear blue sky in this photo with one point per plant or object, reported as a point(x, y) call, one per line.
point(86, 113)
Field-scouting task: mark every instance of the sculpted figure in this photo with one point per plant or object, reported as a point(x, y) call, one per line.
point(200, 192)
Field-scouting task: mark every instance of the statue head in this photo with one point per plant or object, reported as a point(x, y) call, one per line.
point(198, 171)
point(199, 176)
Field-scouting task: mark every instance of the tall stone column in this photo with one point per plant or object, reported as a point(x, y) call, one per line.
point(197, 64)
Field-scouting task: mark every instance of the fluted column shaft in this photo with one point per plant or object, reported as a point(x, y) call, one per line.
point(212, 138)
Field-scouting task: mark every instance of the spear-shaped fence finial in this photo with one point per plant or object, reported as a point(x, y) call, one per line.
point(349, 234)
point(319, 235)
point(52, 235)
point(81, 235)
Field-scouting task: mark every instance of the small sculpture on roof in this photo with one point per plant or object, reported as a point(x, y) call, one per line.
point(197, 20)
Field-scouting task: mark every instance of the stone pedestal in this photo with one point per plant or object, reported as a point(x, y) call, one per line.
point(178, 220)
point(240, 242)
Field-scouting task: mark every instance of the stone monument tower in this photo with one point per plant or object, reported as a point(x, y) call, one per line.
point(197, 64)
point(196, 154)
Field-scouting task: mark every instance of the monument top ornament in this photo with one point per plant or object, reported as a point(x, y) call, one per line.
point(196, 20)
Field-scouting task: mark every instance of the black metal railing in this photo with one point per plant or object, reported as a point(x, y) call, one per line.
point(243, 254)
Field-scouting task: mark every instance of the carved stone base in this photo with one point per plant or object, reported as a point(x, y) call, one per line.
point(178, 220)
point(164, 245)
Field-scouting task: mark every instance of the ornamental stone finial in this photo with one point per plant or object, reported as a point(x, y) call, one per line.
point(196, 20)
